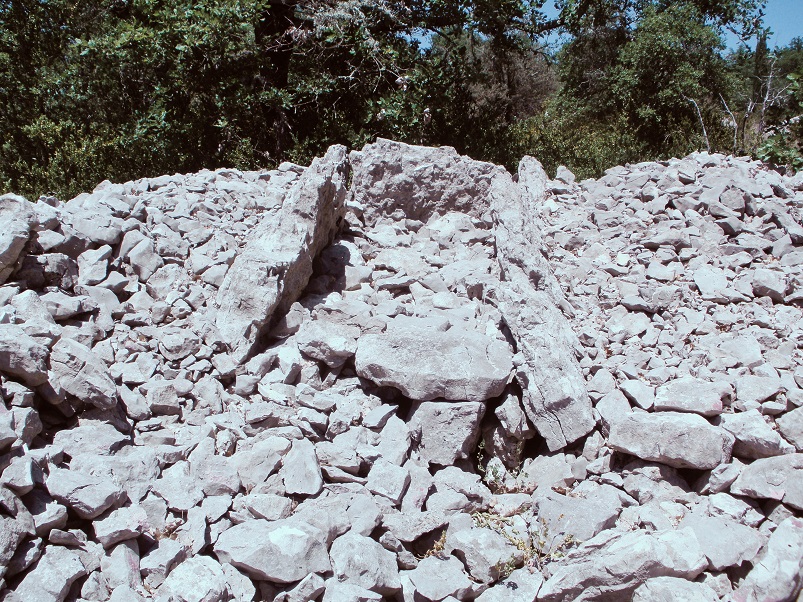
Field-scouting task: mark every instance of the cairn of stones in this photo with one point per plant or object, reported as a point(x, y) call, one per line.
point(401, 374)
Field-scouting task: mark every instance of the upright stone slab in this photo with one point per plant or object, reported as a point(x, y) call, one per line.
point(553, 388)
point(276, 264)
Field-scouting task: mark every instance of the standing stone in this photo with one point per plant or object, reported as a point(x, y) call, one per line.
point(274, 267)
point(17, 219)
point(300, 470)
point(554, 393)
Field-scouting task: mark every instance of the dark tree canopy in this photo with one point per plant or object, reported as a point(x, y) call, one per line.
point(119, 89)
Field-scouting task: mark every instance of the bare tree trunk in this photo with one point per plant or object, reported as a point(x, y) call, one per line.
point(702, 123)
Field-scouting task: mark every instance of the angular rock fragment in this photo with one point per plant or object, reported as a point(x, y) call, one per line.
point(672, 438)
point(282, 551)
point(276, 264)
point(458, 365)
point(79, 372)
point(17, 219)
point(554, 393)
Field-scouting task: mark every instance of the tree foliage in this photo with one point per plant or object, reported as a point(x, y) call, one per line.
point(119, 89)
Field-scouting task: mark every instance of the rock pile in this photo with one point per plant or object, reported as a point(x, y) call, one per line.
point(440, 382)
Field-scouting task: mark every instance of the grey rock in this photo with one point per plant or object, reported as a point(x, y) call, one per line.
point(93, 265)
point(50, 580)
point(769, 283)
point(485, 552)
point(689, 394)
point(17, 219)
point(416, 182)
point(121, 524)
point(791, 427)
point(81, 373)
point(554, 393)
point(300, 470)
point(754, 437)
point(274, 267)
point(614, 564)
point(362, 561)
point(21, 356)
point(388, 480)
point(458, 364)
point(446, 432)
point(337, 591)
point(779, 478)
point(328, 342)
point(89, 496)
point(283, 551)
point(582, 516)
point(672, 438)
point(197, 579)
point(778, 574)
point(724, 542)
point(521, 585)
point(436, 578)
point(674, 589)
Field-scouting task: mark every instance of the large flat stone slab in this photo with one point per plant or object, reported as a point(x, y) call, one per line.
point(458, 365)
point(672, 438)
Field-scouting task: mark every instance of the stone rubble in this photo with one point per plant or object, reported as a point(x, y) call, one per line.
point(439, 382)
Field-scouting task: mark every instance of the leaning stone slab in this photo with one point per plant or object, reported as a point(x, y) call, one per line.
point(672, 438)
point(458, 365)
point(554, 393)
point(276, 264)
point(17, 219)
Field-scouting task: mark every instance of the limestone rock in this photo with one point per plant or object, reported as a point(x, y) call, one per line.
point(276, 264)
point(458, 364)
point(672, 438)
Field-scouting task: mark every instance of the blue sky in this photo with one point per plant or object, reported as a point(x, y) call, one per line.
point(785, 18)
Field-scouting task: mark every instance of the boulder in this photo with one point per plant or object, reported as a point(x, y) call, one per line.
point(672, 438)
point(614, 564)
point(17, 219)
point(417, 182)
point(282, 551)
point(273, 269)
point(21, 356)
point(459, 364)
point(779, 478)
point(81, 373)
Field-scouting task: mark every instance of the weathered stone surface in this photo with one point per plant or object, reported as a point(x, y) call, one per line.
point(52, 577)
point(672, 438)
point(364, 562)
point(485, 553)
point(778, 478)
point(458, 364)
point(615, 564)
point(197, 579)
point(416, 181)
point(21, 356)
point(754, 437)
point(674, 589)
point(282, 551)
point(275, 266)
point(554, 393)
point(79, 372)
point(437, 578)
point(17, 219)
point(89, 496)
point(328, 342)
point(446, 432)
point(778, 574)
point(724, 542)
point(300, 470)
point(690, 394)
